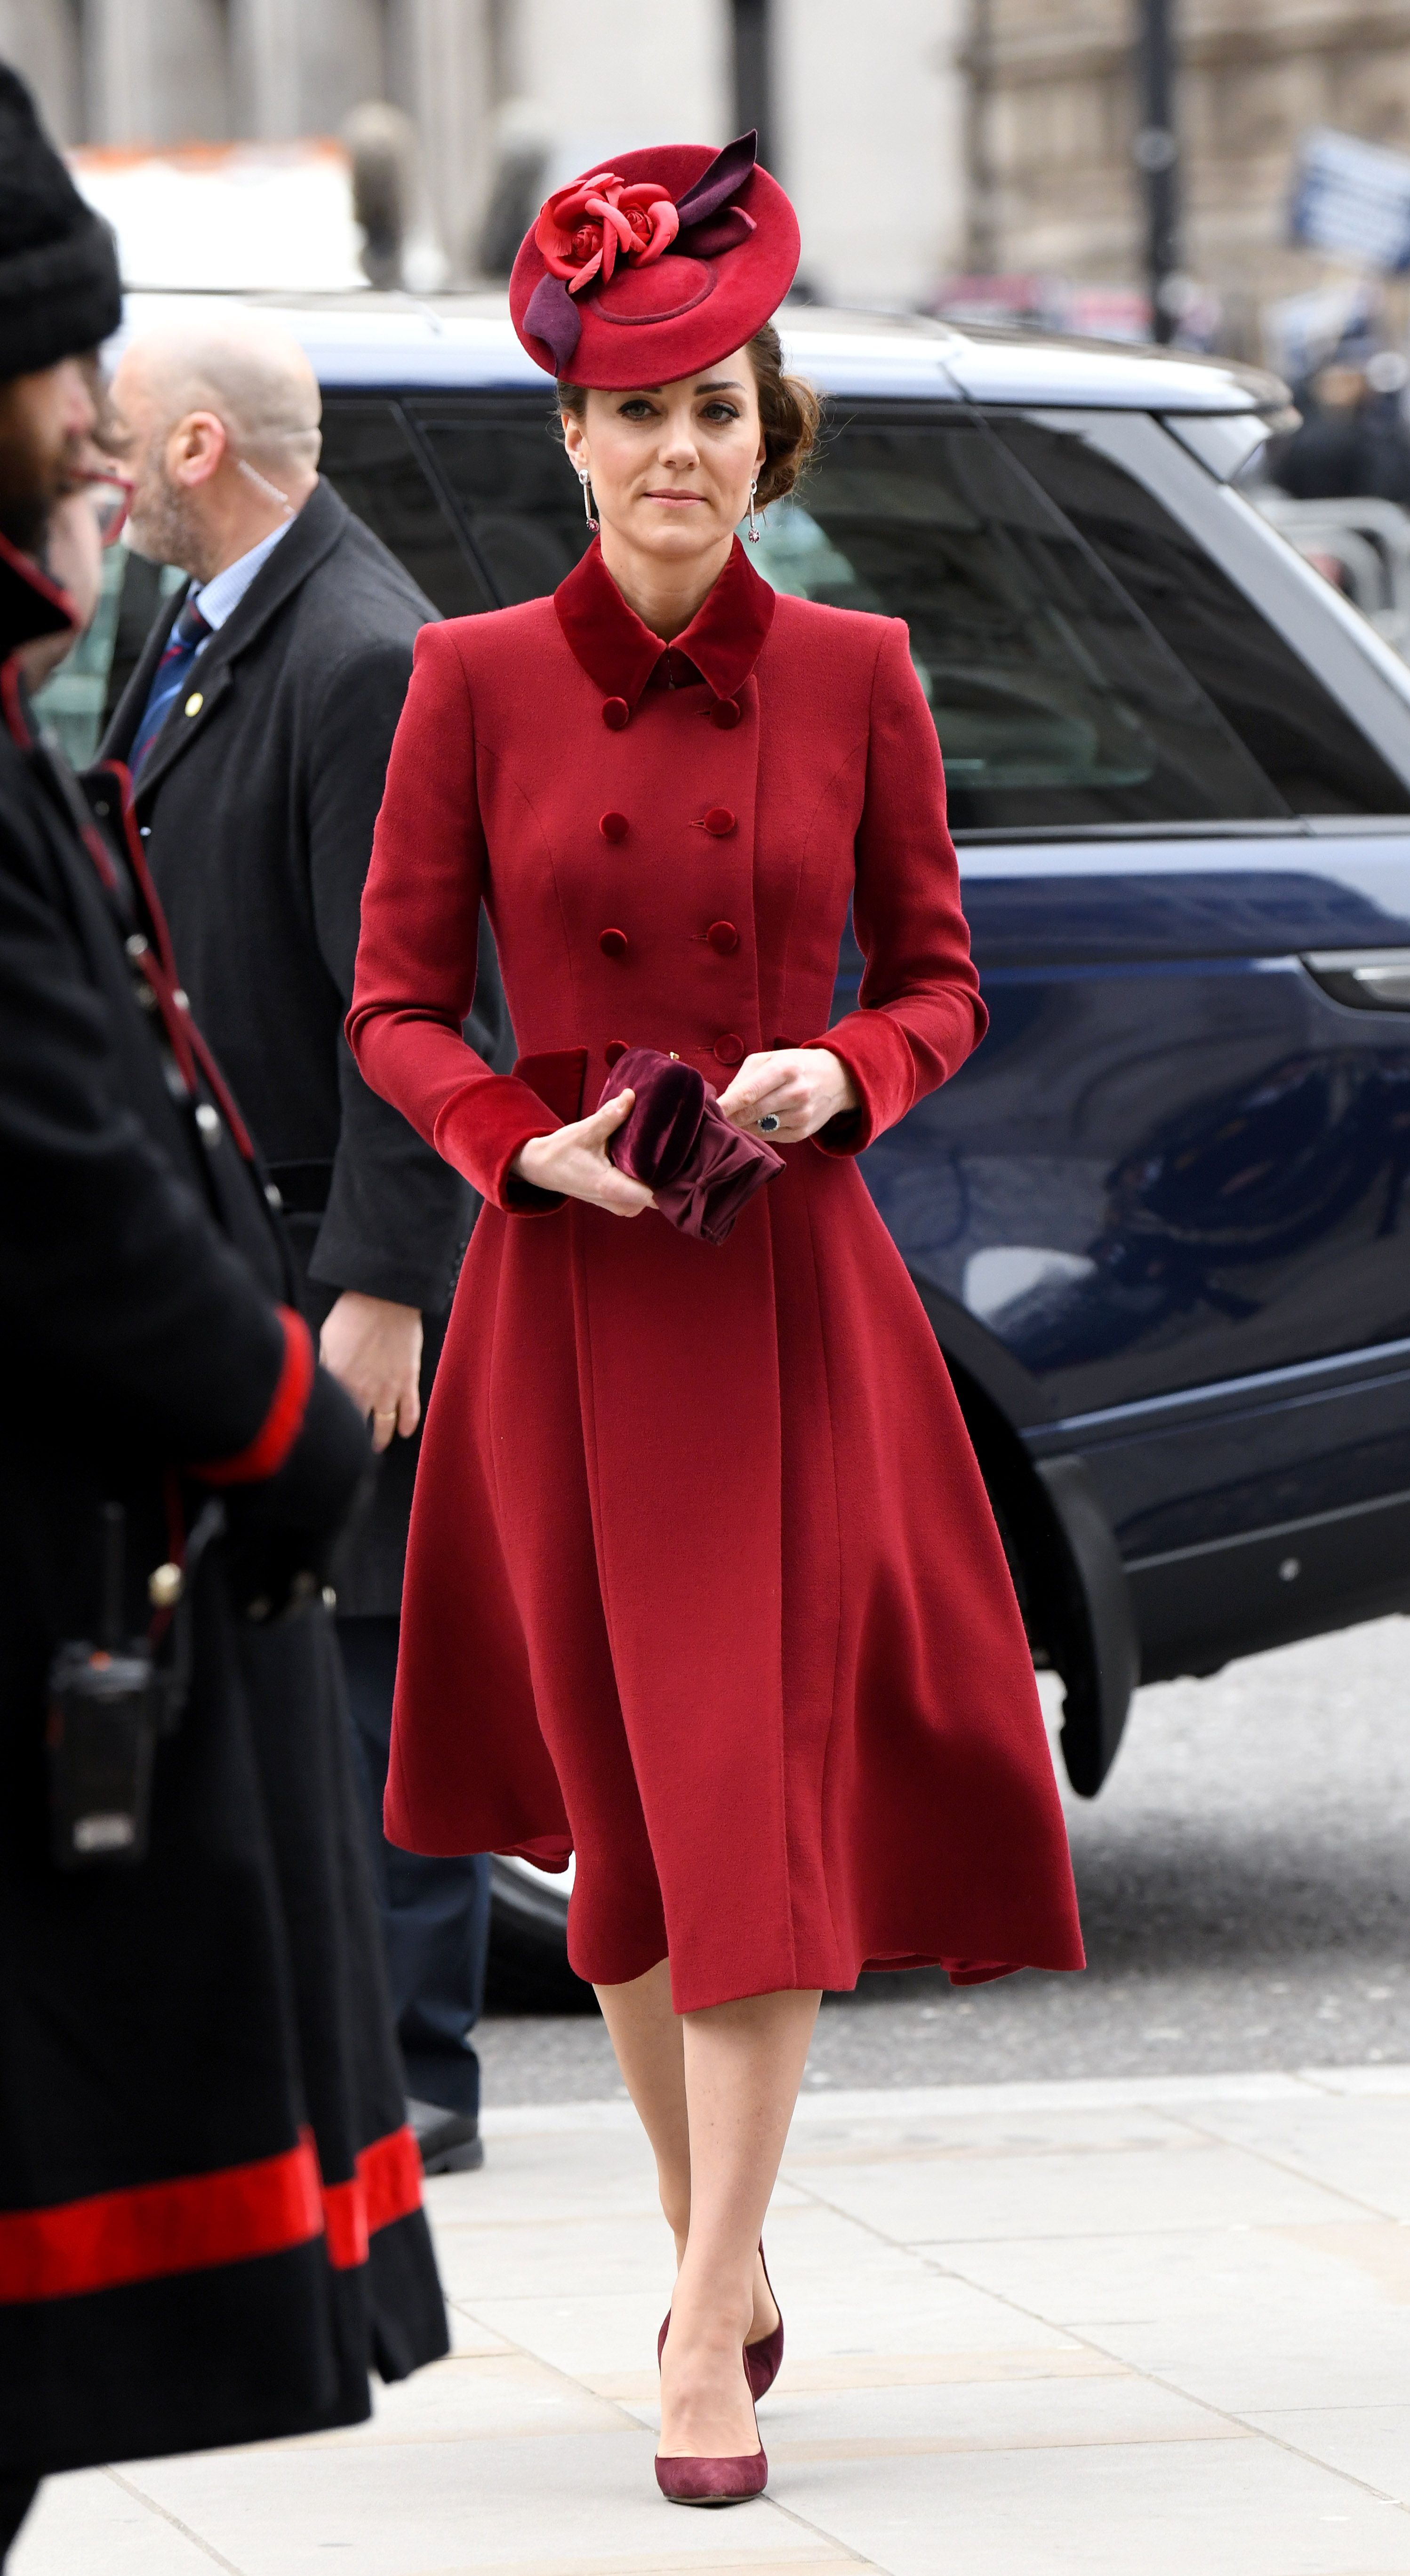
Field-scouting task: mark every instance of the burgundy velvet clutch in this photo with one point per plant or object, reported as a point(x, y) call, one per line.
point(700, 1170)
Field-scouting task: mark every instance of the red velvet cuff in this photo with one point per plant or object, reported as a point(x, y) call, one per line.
point(482, 1129)
point(265, 1454)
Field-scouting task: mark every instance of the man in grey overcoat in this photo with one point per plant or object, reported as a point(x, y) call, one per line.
point(257, 725)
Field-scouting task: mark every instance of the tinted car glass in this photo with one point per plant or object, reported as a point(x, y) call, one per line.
point(77, 702)
point(370, 457)
point(1301, 739)
point(504, 469)
point(1055, 700)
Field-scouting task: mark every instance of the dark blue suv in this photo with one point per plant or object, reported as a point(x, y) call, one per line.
point(1159, 1221)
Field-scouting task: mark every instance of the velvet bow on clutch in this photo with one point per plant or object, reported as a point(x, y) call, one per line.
point(700, 1170)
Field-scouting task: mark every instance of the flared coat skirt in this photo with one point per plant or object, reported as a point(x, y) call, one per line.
point(704, 1585)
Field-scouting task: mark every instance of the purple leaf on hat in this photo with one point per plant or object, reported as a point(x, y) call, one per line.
point(553, 317)
point(724, 231)
point(717, 184)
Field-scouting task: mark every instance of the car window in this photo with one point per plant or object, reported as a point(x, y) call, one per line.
point(371, 458)
point(1297, 733)
point(1055, 699)
point(504, 468)
point(77, 702)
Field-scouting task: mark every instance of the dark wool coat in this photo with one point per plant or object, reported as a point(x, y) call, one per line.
point(210, 2219)
point(258, 811)
point(703, 1579)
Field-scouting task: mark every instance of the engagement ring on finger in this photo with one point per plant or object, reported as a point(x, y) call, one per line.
point(767, 1123)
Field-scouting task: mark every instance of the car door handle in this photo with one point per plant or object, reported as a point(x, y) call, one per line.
point(1370, 979)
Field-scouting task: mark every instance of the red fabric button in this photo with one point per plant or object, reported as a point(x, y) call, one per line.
point(616, 713)
point(614, 827)
point(725, 714)
point(729, 1049)
point(719, 820)
point(723, 937)
point(613, 943)
point(614, 1051)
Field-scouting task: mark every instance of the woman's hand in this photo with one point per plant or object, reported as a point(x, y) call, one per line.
point(573, 1162)
point(802, 1087)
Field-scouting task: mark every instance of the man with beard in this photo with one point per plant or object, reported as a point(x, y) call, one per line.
point(257, 726)
point(210, 2221)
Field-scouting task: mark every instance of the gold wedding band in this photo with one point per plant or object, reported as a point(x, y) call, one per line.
point(385, 1413)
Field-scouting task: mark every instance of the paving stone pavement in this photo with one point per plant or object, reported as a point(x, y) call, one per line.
point(1130, 2327)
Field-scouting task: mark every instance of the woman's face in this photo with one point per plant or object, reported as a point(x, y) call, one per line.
point(671, 465)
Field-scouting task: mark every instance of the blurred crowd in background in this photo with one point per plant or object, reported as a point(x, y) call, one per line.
point(991, 157)
point(1229, 176)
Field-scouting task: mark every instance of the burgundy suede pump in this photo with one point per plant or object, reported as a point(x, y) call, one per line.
point(762, 2360)
point(690, 2481)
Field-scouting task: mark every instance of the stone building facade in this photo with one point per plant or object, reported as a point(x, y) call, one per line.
point(864, 108)
point(1056, 114)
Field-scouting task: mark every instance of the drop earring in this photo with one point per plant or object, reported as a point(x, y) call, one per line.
point(586, 481)
point(755, 531)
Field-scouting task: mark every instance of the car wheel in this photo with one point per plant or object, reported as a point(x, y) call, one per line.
point(529, 1969)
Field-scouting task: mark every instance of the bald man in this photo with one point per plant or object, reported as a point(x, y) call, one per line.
point(257, 725)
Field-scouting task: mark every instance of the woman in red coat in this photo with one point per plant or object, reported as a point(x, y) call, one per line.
point(703, 1583)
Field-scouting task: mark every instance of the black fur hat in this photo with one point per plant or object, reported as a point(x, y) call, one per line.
point(59, 291)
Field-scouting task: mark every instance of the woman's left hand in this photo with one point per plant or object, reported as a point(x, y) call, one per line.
point(802, 1087)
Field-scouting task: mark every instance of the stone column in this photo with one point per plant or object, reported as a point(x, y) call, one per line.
point(40, 40)
point(869, 114)
point(299, 65)
point(443, 76)
point(626, 76)
point(156, 70)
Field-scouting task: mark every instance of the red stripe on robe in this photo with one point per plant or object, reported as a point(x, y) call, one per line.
point(192, 2225)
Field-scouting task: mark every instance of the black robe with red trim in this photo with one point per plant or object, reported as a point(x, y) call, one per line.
point(210, 2219)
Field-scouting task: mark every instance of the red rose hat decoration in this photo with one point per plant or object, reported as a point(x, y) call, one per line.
point(581, 230)
point(655, 269)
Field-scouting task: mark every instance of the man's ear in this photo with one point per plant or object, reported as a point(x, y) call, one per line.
point(201, 443)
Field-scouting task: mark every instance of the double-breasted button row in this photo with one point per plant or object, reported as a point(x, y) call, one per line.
point(722, 936)
point(718, 822)
point(725, 713)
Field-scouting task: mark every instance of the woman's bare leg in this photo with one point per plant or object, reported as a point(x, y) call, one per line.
point(647, 2037)
point(743, 2065)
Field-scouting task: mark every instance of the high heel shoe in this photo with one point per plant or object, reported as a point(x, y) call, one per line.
point(690, 2479)
point(762, 2360)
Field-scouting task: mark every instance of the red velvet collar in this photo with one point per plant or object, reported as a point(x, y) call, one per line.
point(724, 638)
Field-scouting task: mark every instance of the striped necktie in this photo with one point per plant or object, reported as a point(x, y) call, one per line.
point(182, 644)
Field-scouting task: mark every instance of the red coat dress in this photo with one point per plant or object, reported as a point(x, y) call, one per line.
point(702, 1581)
